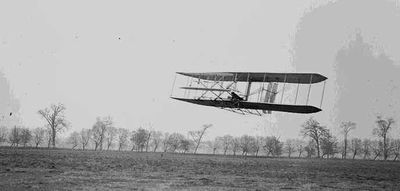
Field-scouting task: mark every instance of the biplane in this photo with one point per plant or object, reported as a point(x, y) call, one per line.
point(234, 91)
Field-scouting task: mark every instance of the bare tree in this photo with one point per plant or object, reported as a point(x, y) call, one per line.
point(273, 146)
point(99, 130)
point(184, 145)
point(15, 136)
point(214, 145)
point(312, 129)
point(235, 145)
point(26, 136)
point(346, 127)
point(85, 135)
point(73, 139)
point(310, 148)
point(356, 146)
point(290, 146)
point(198, 135)
point(382, 130)
point(366, 148)
point(149, 134)
point(225, 142)
point(139, 138)
point(55, 119)
point(328, 144)
point(257, 144)
point(165, 141)
point(156, 139)
point(246, 144)
point(299, 147)
point(38, 136)
point(174, 141)
point(132, 140)
point(122, 138)
point(110, 134)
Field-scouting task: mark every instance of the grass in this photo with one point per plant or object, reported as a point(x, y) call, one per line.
point(62, 169)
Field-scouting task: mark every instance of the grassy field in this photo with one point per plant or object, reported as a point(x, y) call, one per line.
point(32, 169)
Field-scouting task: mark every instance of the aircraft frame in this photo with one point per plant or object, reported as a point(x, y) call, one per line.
point(220, 89)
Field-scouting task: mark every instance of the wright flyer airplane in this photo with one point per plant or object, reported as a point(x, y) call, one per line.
point(248, 92)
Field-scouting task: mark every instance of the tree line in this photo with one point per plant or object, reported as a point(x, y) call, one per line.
point(315, 140)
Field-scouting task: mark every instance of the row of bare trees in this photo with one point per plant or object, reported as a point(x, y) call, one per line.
point(22, 136)
point(104, 136)
point(143, 140)
point(248, 145)
point(317, 140)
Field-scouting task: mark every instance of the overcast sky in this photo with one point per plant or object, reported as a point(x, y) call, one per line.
point(118, 58)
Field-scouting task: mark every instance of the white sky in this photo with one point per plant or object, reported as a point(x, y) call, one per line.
point(118, 58)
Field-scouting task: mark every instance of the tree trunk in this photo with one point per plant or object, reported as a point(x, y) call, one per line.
point(195, 149)
point(385, 153)
point(345, 148)
point(317, 142)
point(53, 137)
point(49, 142)
point(147, 142)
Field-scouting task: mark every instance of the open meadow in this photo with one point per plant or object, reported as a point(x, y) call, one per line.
point(42, 169)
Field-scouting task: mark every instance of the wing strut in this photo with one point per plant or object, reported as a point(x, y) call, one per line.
point(297, 93)
point(323, 92)
point(309, 90)
point(283, 90)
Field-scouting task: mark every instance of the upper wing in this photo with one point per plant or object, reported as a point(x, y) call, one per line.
point(301, 78)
